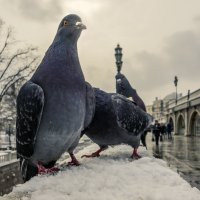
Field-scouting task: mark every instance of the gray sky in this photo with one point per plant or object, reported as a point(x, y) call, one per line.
point(160, 39)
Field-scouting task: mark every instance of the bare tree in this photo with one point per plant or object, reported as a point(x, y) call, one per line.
point(16, 62)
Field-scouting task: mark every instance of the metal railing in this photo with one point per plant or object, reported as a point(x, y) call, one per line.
point(7, 156)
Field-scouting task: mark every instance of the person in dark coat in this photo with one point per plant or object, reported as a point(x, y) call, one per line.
point(163, 131)
point(157, 131)
point(169, 130)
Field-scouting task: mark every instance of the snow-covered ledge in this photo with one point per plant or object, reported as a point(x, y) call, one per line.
point(110, 177)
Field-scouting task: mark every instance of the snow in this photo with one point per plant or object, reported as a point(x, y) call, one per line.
point(113, 176)
point(3, 153)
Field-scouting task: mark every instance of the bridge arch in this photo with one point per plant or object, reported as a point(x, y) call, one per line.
point(194, 123)
point(180, 125)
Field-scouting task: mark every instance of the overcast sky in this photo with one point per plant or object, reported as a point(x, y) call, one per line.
point(160, 39)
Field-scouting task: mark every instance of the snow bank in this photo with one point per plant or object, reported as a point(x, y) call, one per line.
point(110, 177)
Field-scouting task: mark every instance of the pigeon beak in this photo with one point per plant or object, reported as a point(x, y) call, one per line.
point(119, 80)
point(80, 25)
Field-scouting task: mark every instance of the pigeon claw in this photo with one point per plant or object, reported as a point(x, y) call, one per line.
point(135, 155)
point(93, 155)
point(42, 170)
point(74, 161)
point(96, 153)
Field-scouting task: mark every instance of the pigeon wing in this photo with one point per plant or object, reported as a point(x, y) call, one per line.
point(129, 116)
point(90, 105)
point(30, 102)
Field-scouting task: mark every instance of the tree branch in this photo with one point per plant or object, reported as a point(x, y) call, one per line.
point(10, 84)
point(19, 53)
point(6, 41)
point(20, 70)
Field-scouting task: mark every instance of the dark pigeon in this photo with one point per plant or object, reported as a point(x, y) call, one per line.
point(55, 105)
point(123, 87)
point(117, 120)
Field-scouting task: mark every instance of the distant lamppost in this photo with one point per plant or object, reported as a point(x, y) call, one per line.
point(118, 57)
point(9, 132)
point(176, 83)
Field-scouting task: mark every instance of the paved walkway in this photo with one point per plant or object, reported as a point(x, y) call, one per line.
point(182, 154)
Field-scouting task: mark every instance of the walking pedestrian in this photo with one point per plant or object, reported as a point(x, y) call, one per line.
point(169, 130)
point(157, 131)
point(163, 131)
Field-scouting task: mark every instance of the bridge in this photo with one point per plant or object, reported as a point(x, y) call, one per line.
point(184, 115)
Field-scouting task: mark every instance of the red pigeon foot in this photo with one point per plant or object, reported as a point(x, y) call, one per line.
point(42, 170)
point(95, 154)
point(135, 154)
point(74, 161)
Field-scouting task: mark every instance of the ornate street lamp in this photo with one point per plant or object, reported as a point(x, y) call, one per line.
point(176, 83)
point(118, 57)
point(9, 132)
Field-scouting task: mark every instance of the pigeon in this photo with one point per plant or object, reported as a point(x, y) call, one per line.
point(123, 87)
point(117, 120)
point(55, 105)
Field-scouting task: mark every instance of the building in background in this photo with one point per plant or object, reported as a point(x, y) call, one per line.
point(160, 106)
point(158, 112)
point(150, 109)
point(185, 114)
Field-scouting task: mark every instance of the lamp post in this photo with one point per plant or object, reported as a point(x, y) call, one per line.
point(176, 83)
point(9, 132)
point(118, 57)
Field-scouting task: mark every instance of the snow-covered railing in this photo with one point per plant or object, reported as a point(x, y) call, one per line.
point(7, 156)
point(195, 94)
point(114, 176)
point(184, 99)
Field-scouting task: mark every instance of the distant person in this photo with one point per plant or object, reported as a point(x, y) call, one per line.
point(163, 131)
point(156, 131)
point(169, 130)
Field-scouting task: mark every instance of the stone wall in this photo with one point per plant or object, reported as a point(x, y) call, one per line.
point(9, 176)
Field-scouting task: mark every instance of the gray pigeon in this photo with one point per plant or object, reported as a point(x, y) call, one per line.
point(55, 105)
point(123, 87)
point(117, 120)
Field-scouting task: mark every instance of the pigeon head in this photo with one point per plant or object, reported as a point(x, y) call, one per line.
point(70, 28)
point(123, 86)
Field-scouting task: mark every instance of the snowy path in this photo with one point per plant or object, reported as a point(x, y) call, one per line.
point(110, 177)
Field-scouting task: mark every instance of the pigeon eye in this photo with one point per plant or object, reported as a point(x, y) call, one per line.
point(65, 23)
